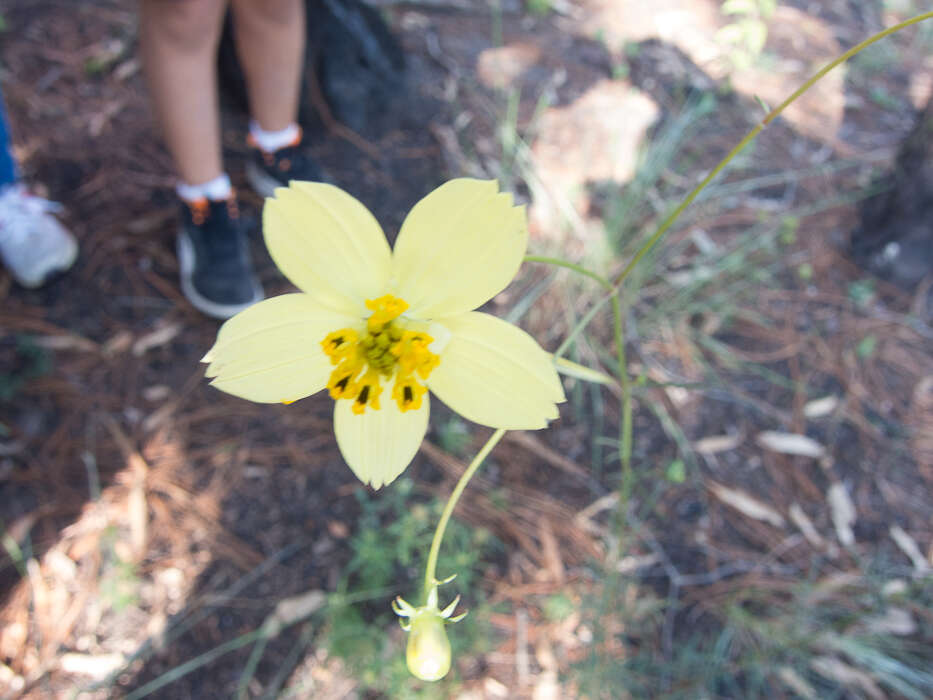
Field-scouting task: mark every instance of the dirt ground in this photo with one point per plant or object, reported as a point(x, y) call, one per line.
point(120, 467)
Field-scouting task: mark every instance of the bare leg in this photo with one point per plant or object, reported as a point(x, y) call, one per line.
point(179, 41)
point(270, 41)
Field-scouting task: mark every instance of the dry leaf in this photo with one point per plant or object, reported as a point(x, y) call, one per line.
point(138, 512)
point(292, 610)
point(821, 407)
point(60, 565)
point(547, 687)
point(805, 525)
point(842, 512)
point(93, 665)
point(909, 547)
point(550, 551)
point(121, 342)
point(127, 69)
point(598, 506)
point(896, 586)
point(747, 505)
point(338, 529)
point(65, 342)
point(897, 621)
point(835, 670)
point(632, 563)
point(522, 665)
point(159, 416)
point(495, 689)
point(157, 392)
point(717, 443)
point(155, 339)
point(796, 683)
point(10, 681)
point(544, 655)
point(790, 444)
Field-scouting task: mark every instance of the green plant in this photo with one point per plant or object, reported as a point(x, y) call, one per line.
point(538, 7)
point(119, 583)
point(29, 362)
point(454, 436)
point(390, 544)
point(746, 34)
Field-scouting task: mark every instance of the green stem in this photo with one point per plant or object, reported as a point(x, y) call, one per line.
point(429, 578)
point(771, 116)
point(842, 59)
point(558, 262)
point(669, 221)
point(613, 288)
point(625, 426)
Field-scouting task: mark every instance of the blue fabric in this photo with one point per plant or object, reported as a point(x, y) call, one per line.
point(8, 170)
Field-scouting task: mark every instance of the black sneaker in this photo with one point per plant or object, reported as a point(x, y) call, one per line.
point(265, 171)
point(213, 256)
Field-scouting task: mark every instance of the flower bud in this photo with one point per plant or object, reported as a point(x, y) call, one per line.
point(428, 652)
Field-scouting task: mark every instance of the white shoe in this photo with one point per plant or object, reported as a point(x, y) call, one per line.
point(33, 244)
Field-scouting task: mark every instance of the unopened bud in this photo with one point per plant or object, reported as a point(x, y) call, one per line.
point(428, 652)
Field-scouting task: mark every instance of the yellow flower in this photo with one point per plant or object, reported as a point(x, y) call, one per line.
point(379, 328)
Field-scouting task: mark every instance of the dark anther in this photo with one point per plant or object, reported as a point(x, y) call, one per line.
point(407, 394)
point(342, 384)
point(364, 394)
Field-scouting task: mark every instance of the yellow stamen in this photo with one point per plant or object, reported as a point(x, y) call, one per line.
point(407, 393)
point(413, 354)
point(386, 348)
point(385, 309)
point(339, 344)
point(341, 383)
point(369, 391)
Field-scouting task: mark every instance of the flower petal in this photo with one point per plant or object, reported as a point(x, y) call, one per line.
point(458, 247)
point(378, 445)
point(327, 244)
point(271, 352)
point(495, 374)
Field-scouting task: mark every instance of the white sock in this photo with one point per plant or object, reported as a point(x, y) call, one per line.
point(217, 189)
point(271, 141)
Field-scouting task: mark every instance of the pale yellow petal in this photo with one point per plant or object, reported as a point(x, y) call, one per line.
point(271, 352)
point(378, 445)
point(459, 246)
point(495, 374)
point(328, 244)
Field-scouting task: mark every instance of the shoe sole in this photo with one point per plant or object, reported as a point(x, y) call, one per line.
point(185, 250)
point(263, 184)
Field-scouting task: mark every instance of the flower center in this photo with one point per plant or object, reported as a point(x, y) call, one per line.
point(386, 349)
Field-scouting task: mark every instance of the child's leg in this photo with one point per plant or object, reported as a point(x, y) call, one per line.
point(270, 41)
point(178, 39)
